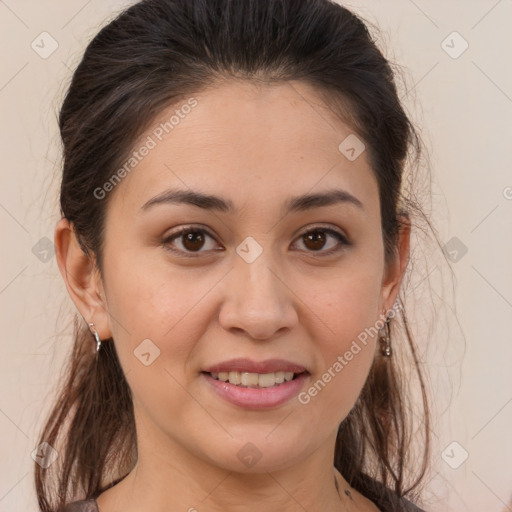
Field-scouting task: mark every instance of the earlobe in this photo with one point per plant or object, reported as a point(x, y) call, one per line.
point(395, 271)
point(81, 277)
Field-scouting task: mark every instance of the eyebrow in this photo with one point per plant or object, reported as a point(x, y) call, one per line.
point(212, 202)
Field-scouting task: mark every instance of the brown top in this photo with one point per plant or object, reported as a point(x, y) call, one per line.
point(386, 503)
point(82, 506)
point(383, 497)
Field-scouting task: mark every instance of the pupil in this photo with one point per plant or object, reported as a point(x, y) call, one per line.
point(317, 238)
point(191, 240)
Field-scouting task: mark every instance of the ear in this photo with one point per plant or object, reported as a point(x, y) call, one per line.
point(82, 278)
point(394, 271)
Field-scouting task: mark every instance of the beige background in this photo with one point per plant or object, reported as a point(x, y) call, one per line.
point(464, 107)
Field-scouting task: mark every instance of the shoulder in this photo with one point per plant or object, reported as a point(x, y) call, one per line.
point(410, 507)
point(82, 506)
point(393, 503)
point(387, 500)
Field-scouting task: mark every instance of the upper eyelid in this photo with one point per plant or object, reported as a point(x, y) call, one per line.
point(328, 229)
point(184, 229)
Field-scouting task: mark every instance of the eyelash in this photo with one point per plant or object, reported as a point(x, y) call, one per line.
point(191, 229)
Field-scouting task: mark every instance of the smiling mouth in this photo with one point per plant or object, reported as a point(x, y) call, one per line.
point(254, 380)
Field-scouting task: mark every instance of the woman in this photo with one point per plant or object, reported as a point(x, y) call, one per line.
point(234, 234)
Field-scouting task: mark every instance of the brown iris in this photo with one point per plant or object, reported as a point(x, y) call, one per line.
point(193, 240)
point(314, 240)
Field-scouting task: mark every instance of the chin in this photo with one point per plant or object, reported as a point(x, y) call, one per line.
point(261, 452)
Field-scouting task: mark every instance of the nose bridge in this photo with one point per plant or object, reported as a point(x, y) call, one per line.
point(258, 302)
point(259, 286)
point(260, 282)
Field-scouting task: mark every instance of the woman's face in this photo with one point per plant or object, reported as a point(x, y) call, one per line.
point(259, 291)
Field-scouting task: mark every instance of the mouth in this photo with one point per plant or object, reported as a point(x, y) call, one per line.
point(257, 386)
point(255, 380)
point(254, 384)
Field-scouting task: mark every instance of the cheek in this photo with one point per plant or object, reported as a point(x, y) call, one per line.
point(345, 335)
point(345, 300)
point(149, 301)
point(157, 317)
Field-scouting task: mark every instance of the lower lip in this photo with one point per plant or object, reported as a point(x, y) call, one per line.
point(257, 398)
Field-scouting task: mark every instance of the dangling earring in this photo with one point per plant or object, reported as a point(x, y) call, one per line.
point(385, 340)
point(96, 337)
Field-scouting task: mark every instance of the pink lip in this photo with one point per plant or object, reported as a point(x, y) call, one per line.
point(257, 398)
point(246, 365)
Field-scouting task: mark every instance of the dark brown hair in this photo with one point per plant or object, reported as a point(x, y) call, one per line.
point(153, 55)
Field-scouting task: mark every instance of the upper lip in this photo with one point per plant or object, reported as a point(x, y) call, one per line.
point(249, 366)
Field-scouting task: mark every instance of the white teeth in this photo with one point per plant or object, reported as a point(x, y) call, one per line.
point(262, 380)
point(234, 378)
point(267, 380)
point(249, 379)
point(280, 377)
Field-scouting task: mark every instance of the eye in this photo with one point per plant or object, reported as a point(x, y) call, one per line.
point(191, 240)
point(317, 239)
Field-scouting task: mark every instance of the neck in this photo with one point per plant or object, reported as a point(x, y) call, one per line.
point(160, 483)
point(170, 475)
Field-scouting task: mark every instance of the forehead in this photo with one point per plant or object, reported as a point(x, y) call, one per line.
point(251, 142)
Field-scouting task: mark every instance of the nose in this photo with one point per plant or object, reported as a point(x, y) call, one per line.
point(258, 301)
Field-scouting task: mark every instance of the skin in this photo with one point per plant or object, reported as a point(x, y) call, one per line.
point(256, 146)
